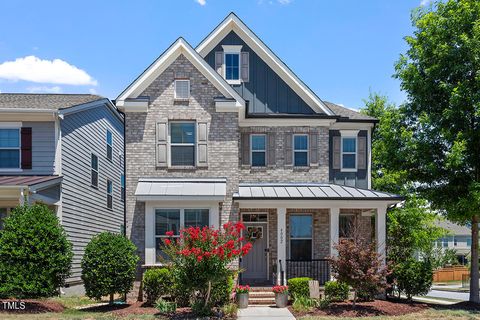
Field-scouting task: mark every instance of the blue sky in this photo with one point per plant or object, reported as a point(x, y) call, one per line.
point(341, 49)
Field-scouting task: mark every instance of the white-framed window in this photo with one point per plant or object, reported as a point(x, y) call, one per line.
point(109, 194)
point(301, 239)
point(182, 144)
point(174, 220)
point(109, 145)
point(349, 153)
point(10, 148)
point(300, 150)
point(232, 66)
point(258, 150)
point(122, 187)
point(182, 89)
point(346, 226)
point(94, 170)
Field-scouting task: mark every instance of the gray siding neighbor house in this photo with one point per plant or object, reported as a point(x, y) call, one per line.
point(227, 132)
point(67, 151)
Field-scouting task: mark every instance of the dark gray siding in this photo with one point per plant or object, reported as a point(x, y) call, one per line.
point(266, 92)
point(85, 210)
point(354, 179)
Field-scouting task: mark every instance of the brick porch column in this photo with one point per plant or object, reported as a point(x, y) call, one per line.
point(281, 244)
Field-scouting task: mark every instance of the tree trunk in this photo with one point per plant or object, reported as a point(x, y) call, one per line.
point(474, 274)
point(207, 298)
point(111, 299)
point(354, 298)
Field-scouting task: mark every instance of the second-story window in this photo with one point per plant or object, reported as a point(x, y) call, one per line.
point(349, 153)
point(182, 89)
point(109, 194)
point(258, 150)
point(122, 187)
point(109, 145)
point(94, 170)
point(182, 144)
point(232, 66)
point(10, 148)
point(300, 150)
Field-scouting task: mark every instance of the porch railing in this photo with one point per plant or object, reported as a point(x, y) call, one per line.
point(317, 269)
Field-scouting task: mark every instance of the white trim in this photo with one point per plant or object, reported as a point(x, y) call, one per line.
point(10, 125)
point(258, 151)
point(175, 89)
point(281, 242)
point(316, 204)
point(133, 105)
point(349, 133)
point(342, 169)
point(301, 150)
point(369, 158)
point(334, 229)
point(232, 48)
point(58, 148)
point(178, 198)
point(252, 122)
point(233, 23)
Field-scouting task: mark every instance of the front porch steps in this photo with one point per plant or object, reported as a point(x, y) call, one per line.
point(261, 296)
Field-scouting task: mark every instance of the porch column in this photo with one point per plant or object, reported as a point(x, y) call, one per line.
point(281, 244)
point(22, 196)
point(381, 232)
point(334, 228)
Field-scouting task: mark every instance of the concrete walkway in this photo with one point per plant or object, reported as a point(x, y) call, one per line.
point(262, 313)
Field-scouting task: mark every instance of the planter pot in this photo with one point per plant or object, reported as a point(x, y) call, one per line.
point(242, 300)
point(281, 300)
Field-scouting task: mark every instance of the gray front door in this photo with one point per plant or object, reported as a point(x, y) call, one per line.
point(255, 262)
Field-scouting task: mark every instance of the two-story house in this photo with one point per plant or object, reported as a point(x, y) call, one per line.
point(227, 132)
point(67, 151)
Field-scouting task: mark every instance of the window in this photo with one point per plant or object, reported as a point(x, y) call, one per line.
point(174, 220)
point(300, 150)
point(469, 241)
point(182, 89)
point(300, 237)
point(254, 217)
point(182, 143)
point(94, 165)
point(232, 66)
point(346, 225)
point(122, 187)
point(10, 148)
point(258, 154)
point(109, 145)
point(349, 153)
point(109, 194)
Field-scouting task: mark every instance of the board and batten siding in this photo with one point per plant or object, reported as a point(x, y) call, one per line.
point(84, 208)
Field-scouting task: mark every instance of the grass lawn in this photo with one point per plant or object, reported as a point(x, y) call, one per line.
point(427, 314)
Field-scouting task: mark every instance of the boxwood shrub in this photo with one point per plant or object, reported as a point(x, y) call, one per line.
point(157, 282)
point(298, 287)
point(336, 291)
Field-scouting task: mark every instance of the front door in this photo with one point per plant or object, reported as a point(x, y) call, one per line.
point(254, 263)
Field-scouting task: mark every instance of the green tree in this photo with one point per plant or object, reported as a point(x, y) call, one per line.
point(35, 255)
point(440, 72)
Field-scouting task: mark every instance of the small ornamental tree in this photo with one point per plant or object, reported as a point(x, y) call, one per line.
point(201, 257)
point(108, 265)
point(35, 255)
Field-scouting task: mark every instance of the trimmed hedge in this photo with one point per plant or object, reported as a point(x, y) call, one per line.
point(157, 283)
point(298, 287)
point(336, 291)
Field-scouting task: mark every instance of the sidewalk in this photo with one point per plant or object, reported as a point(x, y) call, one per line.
point(262, 313)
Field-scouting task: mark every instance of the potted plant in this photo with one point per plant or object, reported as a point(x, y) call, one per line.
point(241, 294)
point(281, 296)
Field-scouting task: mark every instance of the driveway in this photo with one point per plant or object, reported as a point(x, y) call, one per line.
point(464, 296)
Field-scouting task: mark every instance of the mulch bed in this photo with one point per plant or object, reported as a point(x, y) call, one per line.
point(29, 306)
point(366, 309)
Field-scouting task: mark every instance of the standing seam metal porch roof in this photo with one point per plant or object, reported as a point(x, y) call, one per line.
point(308, 191)
point(203, 188)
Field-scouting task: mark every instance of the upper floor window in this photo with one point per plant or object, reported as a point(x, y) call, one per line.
point(182, 143)
point(232, 66)
point(349, 153)
point(109, 194)
point(258, 150)
point(182, 89)
point(300, 150)
point(122, 187)
point(10, 148)
point(109, 145)
point(94, 170)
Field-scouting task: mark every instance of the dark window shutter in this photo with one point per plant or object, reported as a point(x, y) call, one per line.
point(246, 149)
point(245, 72)
point(219, 62)
point(271, 149)
point(202, 139)
point(362, 153)
point(313, 148)
point(336, 154)
point(288, 149)
point(26, 134)
point(162, 144)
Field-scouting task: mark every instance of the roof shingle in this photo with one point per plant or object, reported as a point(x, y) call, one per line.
point(44, 101)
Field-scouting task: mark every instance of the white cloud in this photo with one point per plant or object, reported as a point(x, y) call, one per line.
point(424, 3)
point(284, 2)
point(34, 69)
point(44, 89)
point(201, 2)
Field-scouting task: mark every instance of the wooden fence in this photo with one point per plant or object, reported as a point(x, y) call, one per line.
point(453, 273)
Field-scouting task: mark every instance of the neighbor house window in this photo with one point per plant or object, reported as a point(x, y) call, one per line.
point(258, 150)
point(300, 237)
point(122, 187)
point(349, 153)
point(182, 143)
point(109, 194)
point(173, 220)
point(109, 145)
point(94, 171)
point(346, 225)
point(182, 89)
point(300, 150)
point(232, 66)
point(10, 148)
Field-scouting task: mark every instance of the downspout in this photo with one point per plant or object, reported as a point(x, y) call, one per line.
point(124, 175)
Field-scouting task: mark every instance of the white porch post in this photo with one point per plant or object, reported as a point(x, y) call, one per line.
point(334, 228)
point(281, 244)
point(21, 200)
point(381, 232)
